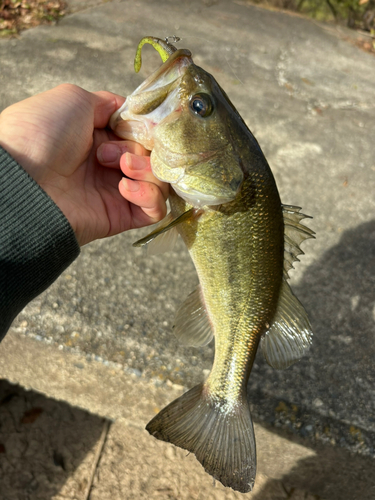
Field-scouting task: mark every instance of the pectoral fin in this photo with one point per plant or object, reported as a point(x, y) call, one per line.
point(165, 225)
point(289, 336)
point(163, 243)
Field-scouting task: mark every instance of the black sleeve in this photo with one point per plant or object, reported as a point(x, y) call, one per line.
point(36, 240)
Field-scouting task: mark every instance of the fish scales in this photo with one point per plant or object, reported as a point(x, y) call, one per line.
point(240, 281)
point(226, 207)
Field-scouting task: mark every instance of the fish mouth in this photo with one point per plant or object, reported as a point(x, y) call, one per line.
point(142, 110)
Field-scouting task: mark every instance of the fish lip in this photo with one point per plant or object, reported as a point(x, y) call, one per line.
point(181, 58)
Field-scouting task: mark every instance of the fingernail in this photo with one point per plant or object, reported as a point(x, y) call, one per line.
point(130, 185)
point(135, 162)
point(109, 153)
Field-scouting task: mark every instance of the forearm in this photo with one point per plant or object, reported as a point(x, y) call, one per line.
point(36, 240)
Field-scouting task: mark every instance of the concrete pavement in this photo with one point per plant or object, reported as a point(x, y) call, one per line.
point(308, 96)
point(89, 440)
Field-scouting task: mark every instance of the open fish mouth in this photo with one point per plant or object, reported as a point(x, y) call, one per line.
point(173, 114)
point(155, 99)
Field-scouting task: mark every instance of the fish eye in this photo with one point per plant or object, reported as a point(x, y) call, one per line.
point(201, 104)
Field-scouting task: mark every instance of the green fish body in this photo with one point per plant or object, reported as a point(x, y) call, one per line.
point(226, 207)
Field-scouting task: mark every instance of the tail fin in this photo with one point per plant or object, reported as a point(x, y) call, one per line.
point(222, 440)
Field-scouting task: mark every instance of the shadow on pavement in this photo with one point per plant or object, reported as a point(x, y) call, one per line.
point(339, 293)
point(47, 447)
point(332, 474)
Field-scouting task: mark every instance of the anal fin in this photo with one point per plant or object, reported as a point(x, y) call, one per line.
point(289, 336)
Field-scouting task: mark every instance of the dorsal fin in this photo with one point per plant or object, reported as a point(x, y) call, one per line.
point(294, 234)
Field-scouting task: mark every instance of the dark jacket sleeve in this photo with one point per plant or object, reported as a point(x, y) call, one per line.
point(36, 240)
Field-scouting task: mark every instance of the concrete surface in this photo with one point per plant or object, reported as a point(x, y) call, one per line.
point(130, 464)
point(308, 96)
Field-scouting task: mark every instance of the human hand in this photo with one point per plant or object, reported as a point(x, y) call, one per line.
point(55, 136)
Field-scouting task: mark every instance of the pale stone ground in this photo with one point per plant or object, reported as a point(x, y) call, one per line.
point(89, 440)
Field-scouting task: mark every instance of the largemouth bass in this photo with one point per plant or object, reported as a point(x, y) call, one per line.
point(243, 241)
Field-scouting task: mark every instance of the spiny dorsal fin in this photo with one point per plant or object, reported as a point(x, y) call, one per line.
point(289, 336)
point(192, 324)
point(294, 234)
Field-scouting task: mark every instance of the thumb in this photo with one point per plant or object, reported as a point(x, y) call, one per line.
point(105, 104)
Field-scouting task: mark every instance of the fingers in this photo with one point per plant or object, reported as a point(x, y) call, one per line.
point(147, 199)
point(139, 168)
point(146, 194)
point(109, 153)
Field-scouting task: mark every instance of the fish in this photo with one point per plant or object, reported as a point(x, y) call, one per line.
point(243, 241)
